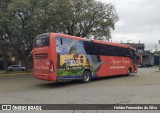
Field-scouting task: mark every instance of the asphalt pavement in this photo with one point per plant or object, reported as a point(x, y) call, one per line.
point(140, 88)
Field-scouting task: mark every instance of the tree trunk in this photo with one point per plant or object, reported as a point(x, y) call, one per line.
point(6, 65)
point(26, 63)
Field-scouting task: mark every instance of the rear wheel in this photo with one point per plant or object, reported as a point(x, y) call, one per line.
point(86, 77)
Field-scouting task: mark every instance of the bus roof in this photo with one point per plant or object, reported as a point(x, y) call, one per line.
point(95, 41)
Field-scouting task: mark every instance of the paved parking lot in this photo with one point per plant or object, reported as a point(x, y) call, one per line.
point(140, 88)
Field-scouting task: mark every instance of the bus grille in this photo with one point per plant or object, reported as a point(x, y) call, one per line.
point(41, 56)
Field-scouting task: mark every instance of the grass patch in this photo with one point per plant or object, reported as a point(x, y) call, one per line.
point(16, 73)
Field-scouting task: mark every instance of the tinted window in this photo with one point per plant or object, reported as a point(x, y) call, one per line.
point(92, 48)
point(89, 48)
point(41, 40)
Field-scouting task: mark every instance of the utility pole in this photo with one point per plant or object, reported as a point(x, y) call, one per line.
point(159, 57)
point(156, 47)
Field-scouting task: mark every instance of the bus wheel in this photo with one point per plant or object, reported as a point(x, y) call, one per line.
point(129, 71)
point(86, 77)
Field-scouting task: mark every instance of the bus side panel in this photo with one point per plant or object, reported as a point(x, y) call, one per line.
point(108, 60)
point(74, 56)
point(72, 59)
point(112, 65)
point(120, 65)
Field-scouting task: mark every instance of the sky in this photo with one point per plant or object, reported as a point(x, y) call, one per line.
point(139, 21)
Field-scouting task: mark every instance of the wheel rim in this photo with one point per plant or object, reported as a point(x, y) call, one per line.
point(129, 71)
point(86, 77)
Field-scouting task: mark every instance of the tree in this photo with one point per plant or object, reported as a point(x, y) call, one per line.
point(22, 20)
point(5, 53)
point(81, 17)
point(19, 25)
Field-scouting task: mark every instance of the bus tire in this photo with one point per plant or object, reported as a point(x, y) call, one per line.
point(86, 77)
point(129, 71)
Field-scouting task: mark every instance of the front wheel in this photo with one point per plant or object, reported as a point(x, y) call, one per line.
point(86, 77)
point(129, 71)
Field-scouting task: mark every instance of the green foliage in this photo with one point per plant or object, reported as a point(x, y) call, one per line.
point(72, 72)
point(5, 53)
point(81, 17)
point(22, 20)
point(19, 25)
point(5, 49)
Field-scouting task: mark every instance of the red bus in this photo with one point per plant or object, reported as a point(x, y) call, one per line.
point(59, 57)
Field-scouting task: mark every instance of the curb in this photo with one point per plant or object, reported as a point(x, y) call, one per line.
point(157, 71)
point(14, 74)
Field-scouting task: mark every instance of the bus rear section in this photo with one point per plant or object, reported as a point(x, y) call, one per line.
point(44, 68)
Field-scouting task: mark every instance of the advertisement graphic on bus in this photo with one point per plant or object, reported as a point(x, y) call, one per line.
point(71, 58)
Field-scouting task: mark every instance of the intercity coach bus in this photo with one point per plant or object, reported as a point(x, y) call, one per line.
point(59, 57)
